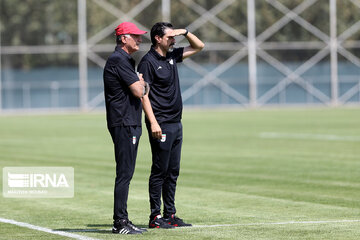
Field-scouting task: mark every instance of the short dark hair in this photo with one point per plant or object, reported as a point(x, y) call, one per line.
point(159, 29)
point(118, 40)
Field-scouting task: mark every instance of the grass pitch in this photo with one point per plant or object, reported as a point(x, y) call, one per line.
point(265, 174)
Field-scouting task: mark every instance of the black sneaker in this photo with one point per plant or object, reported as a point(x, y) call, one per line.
point(136, 228)
point(124, 226)
point(175, 221)
point(158, 222)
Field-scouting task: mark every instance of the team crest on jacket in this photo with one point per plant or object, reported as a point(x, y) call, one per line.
point(134, 139)
point(163, 137)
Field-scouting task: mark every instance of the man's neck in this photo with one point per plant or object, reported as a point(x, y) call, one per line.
point(161, 51)
point(125, 49)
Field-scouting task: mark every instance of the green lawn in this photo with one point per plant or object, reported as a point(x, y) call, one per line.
point(269, 174)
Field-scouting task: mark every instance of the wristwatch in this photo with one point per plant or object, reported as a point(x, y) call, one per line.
point(187, 31)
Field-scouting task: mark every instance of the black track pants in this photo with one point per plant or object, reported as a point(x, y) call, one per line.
point(126, 141)
point(165, 168)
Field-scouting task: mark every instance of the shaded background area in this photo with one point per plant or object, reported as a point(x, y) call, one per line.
point(257, 53)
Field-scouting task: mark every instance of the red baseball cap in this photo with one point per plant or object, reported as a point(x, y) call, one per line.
point(128, 28)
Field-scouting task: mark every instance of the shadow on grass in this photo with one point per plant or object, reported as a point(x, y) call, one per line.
point(110, 225)
point(93, 228)
point(100, 225)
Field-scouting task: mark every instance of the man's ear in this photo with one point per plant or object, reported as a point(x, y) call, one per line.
point(123, 39)
point(158, 39)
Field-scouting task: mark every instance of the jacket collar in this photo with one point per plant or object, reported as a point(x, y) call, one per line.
point(121, 51)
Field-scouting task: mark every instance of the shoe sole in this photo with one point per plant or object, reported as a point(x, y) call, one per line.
point(155, 226)
point(119, 232)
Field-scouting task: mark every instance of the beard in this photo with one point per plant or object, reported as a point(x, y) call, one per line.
point(171, 48)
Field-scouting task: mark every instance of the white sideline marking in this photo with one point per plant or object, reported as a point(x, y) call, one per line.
point(42, 229)
point(80, 237)
point(276, 223)
point(326, 137)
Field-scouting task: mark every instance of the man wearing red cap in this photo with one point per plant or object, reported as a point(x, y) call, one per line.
point(163, 109)
point(123, 90)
